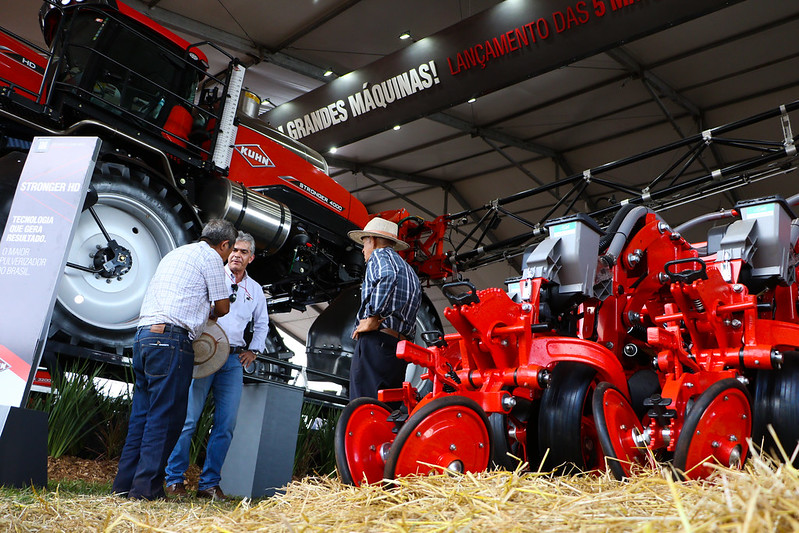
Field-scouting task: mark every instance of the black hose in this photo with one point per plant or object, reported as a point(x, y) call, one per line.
point(618, 218)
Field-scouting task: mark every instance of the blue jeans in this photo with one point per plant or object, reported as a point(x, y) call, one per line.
point(162, 367)
point(227, 385)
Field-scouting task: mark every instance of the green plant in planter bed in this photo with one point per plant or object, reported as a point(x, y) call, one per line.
point(71, 408)
point(315, 453)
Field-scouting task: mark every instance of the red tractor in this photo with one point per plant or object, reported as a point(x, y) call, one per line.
point(614, 348)
point(179, 146)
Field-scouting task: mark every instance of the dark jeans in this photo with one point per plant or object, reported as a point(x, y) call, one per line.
point(375, 365)
point(162, 366)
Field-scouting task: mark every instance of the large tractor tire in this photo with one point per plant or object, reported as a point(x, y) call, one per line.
point(144, 217)
point(427, 319)
point(330, 344)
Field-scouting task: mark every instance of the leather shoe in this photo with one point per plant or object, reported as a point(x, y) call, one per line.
point(213, 493)
point(177, 490)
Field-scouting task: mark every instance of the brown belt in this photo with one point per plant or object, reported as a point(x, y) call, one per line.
point(163, 328)
point(395, 334)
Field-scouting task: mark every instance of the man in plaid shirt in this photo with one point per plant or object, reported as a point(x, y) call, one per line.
point(390, 298)
point(188, 285)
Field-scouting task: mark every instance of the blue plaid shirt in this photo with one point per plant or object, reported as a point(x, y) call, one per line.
point(391, 290)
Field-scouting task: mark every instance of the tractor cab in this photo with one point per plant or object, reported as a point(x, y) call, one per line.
point(111, 64)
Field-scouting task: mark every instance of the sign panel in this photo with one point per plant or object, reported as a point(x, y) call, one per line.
point(504, 45)
point(33, 252)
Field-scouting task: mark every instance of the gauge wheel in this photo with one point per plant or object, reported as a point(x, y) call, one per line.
point(449, 433)
point(715, 431)
point(147, 220)
point(513, 436)
point(363, 435)
point(567, 436)
point(619, 431)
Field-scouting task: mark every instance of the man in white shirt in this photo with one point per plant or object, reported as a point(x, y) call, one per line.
point(247, 303)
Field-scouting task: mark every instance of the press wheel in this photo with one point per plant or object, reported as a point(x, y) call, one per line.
point(566, 430)
point(363, 435)
point(619, 430)
point(715, 430)
point(448, 433)
point(776, 403)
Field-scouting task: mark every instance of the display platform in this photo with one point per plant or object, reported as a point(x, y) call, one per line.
point(23, 447)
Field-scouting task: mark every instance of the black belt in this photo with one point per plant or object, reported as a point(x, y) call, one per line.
point(167, 328)
point(237, 349)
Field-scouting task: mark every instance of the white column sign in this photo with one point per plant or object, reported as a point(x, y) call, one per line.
point(33, 252)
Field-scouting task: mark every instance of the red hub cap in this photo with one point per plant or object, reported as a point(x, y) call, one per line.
point(449, 433)
point(363, 436)
point(620, 431)
point(715, 430)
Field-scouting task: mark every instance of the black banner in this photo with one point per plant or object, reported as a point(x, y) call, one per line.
point(504, 45)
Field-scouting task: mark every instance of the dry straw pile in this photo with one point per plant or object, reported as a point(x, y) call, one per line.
point(763, 497)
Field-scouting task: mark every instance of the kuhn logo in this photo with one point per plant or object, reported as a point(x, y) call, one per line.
point(4, 365)
point(254, 155)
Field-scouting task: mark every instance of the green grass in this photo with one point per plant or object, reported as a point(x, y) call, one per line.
point(64, 487)
point(77, 486)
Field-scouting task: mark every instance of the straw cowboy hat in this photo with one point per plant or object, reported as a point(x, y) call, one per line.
point(211, 350)
point(379, 227)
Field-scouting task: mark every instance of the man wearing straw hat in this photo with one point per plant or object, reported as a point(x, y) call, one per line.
point(188, 284)
point(390, 298)
point(247, 303)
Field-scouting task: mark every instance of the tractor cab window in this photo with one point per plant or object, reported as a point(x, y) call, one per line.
point(125, 71)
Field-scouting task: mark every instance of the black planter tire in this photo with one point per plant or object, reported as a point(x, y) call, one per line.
point(776, 403)
point(567, 437)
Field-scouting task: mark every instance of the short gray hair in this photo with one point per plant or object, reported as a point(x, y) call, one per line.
point(217, 231)
point(246, 237)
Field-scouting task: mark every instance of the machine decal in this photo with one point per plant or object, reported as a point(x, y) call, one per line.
point(254, 155)
point(316, 194)
point(6, 51)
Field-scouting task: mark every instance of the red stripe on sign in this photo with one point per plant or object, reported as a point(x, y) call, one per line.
point(16, 364)
point(42, 379)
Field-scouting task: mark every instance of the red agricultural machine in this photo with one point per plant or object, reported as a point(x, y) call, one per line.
point(728, 319)
point(615, 347)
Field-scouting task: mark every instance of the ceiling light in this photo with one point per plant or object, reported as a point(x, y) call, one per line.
point(471, 100)
point(327, 73)
point(396, 127)
point(332, 150)
point(405, 35)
